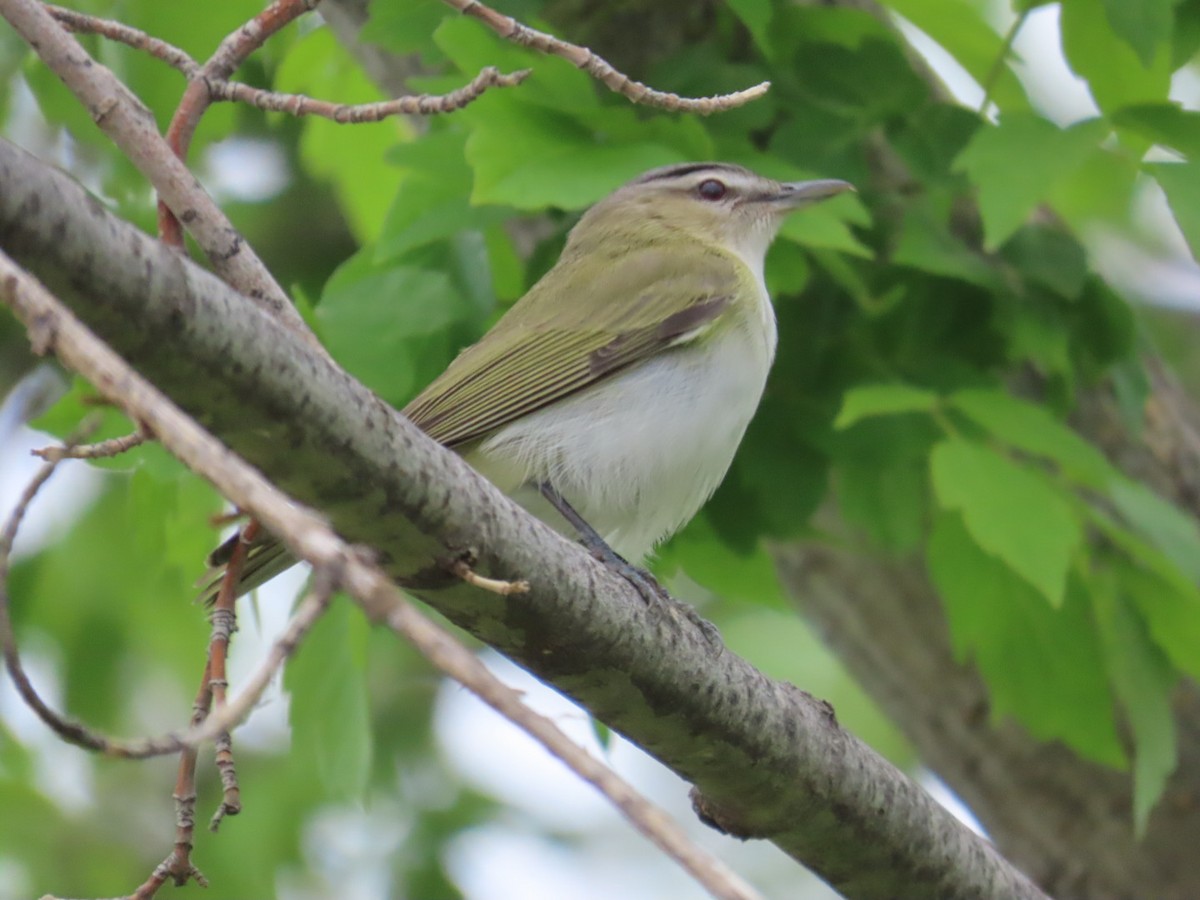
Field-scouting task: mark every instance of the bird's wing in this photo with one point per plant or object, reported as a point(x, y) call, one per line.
point(548, 346)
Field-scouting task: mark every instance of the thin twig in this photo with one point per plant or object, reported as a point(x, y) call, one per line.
point(68, 730)
point(581, 57)
point(997, 66)
point(102, 450)
point(224, 90)
point(353, 114)
point(308, 537)
point(220, 520)
point(495, 585)
point(81, 23)
point(224, 624)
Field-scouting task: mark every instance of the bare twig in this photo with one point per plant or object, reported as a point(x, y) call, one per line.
point(353, 114)
point(81, 23)
point(512, 30)
point(495, 585)
point(111, 447)
point(224, 90)
point(68, 730)
point(178, 866)
point(997, 66)
point(307, 537)
point(125, 119)
point(224, 624)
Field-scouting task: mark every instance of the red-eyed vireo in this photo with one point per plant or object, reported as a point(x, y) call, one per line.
point(617, 389)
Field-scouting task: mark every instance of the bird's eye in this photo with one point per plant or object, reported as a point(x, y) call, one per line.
point(711, 189)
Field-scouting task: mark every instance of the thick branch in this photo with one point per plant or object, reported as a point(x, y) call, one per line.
point(1041, 804)
point(769, 760)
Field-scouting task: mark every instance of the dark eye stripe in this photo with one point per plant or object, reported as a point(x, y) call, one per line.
point(684, 169)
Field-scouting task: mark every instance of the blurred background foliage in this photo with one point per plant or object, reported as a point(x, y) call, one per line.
point(909, 314)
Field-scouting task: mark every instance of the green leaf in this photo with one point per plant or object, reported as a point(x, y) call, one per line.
point(786, 477)
point(1168, 124)
point(1016, 164)
point(960, 28)
point(404, 26)
point(377, 321)
point(1104, 336)
point(528, 153)
point(828, 226)
point(432, 201)
point(729, 572)
point(1170, 608)
point(887, 501)
point(1035, 430)
point(1142, 680)
point(317, 65)
point(542, 164)
point(1181, 182)
point(756, 16)
point(555, 83)
point(328, 711)
point(1101, 188)
point(70, 410)
point(1145, 25)
point(1042, 665)
point(1036, 334)
point(868, 400)
point(850, 28)
point(929, 140)
point(1185, 39)
point(1011, 511)
point(1164, 525)
point(1115, 74)
point(788, 270)
point(927, 244)
point(1050, 257)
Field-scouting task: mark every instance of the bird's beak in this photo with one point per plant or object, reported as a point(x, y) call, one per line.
point(795, 194)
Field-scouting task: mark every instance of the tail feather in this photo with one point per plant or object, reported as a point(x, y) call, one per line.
point(265, 558)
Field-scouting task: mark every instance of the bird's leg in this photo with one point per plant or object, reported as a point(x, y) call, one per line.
point(646, 583)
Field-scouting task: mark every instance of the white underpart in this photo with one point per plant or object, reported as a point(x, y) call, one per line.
point(638, 454)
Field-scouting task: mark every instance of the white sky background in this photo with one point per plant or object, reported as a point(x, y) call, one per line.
point(556, 838)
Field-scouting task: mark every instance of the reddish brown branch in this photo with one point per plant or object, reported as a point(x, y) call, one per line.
point(231, 53)
point(224, 624)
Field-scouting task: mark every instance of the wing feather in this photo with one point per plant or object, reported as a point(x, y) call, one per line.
point(542, 351)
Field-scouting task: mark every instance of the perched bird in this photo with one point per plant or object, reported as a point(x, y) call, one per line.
point(610, 399)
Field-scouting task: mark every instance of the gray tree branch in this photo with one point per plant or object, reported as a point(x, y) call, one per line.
point(1062, 819)
point(768, 760)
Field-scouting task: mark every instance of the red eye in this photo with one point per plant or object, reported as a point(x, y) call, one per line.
point(711, 189)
